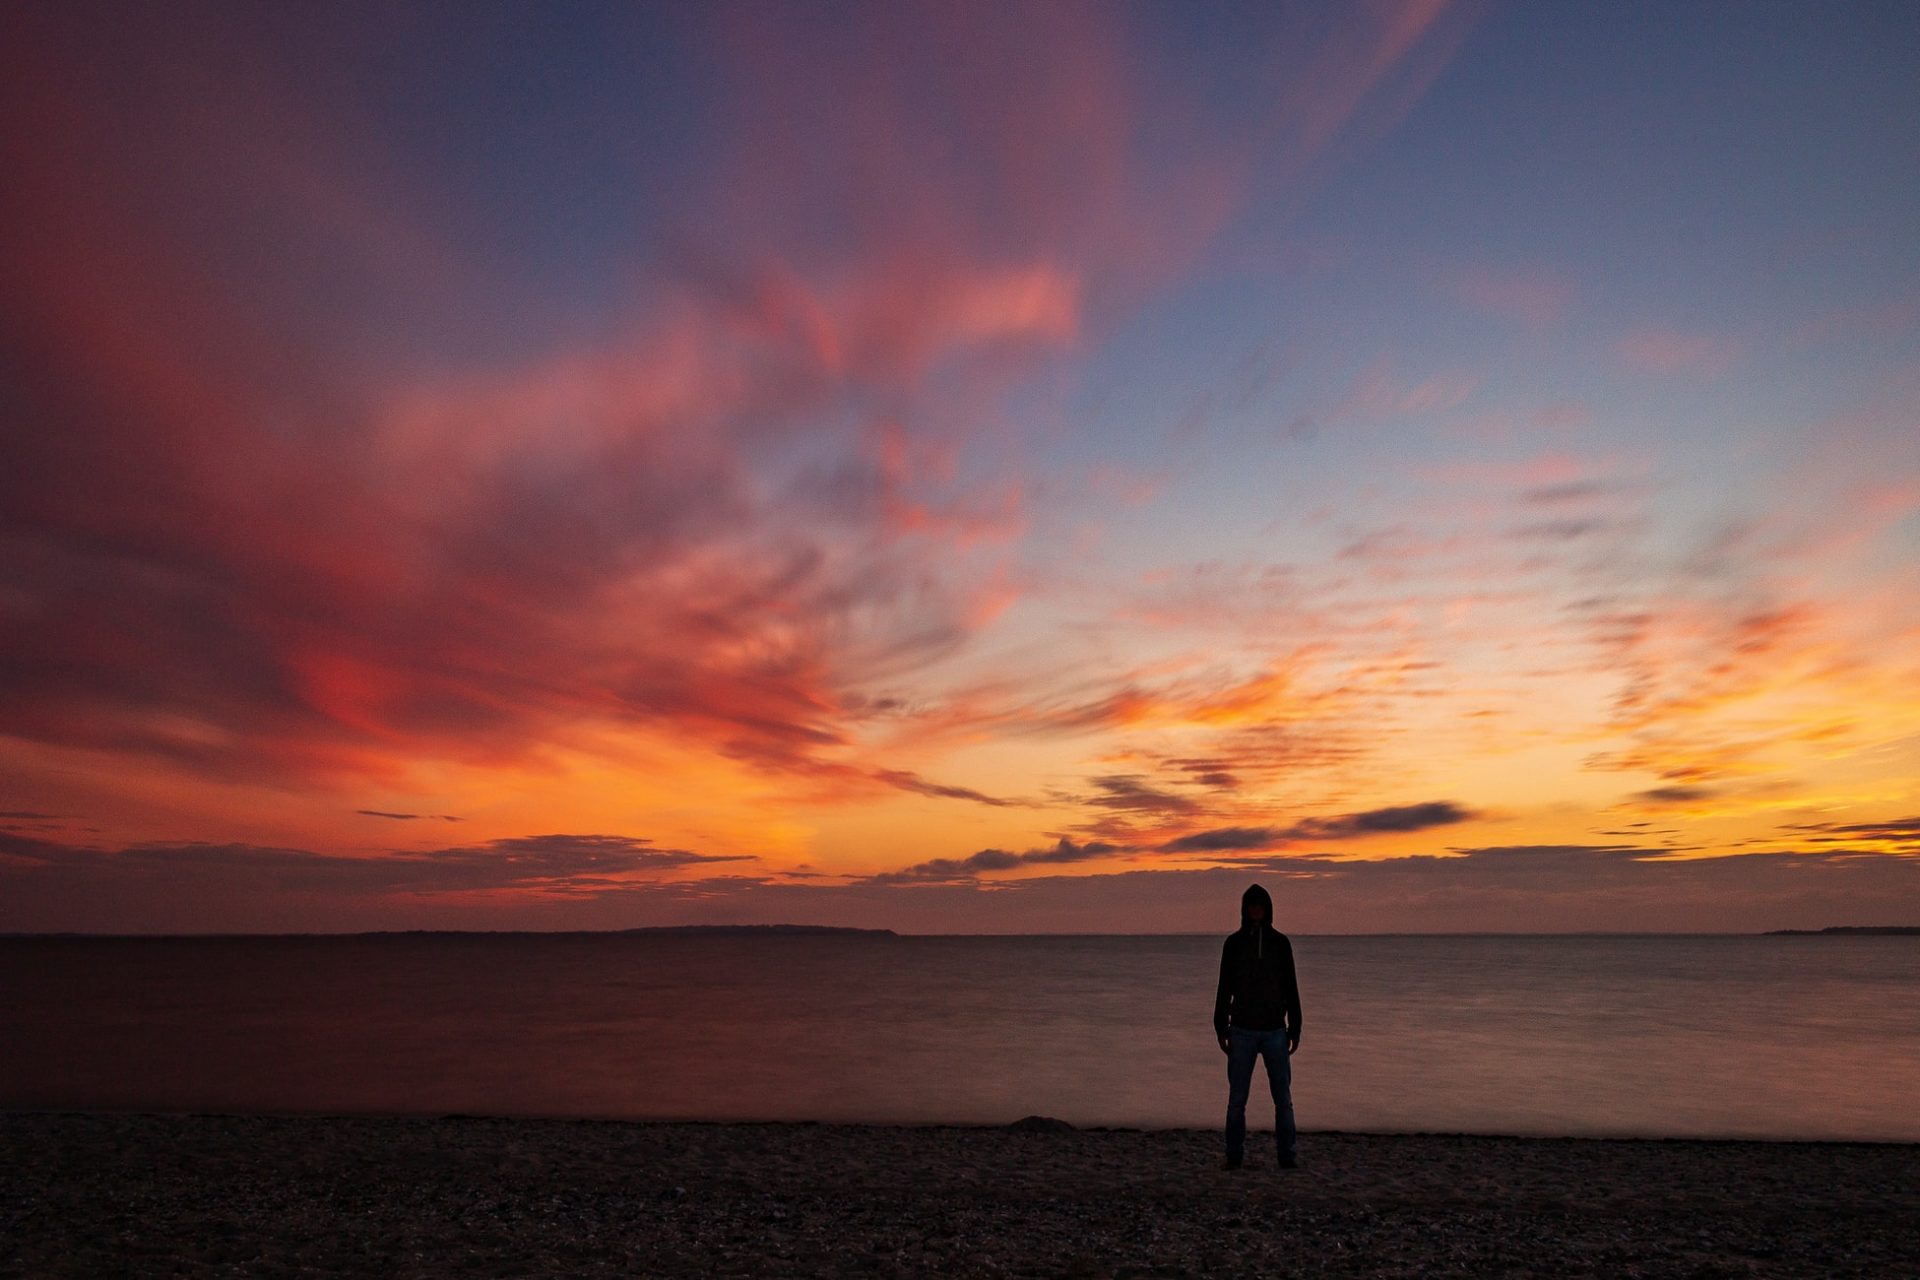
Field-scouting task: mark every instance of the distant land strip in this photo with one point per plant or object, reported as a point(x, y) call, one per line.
point(703, 929)
point(1905, 930)
point(756, 929)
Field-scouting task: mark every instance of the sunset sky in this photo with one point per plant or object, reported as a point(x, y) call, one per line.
point(959, 467)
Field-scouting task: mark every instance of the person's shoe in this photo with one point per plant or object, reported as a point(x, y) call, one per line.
point(1232, 1162)
point(1289, 1162)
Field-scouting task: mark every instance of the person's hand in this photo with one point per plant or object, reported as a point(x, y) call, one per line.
point(1226, 1045)
point(1293, 1044)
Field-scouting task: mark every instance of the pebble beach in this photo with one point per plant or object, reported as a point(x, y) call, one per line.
point(106, 1194)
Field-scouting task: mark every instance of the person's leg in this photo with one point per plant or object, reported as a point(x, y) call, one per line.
point(1280, 1081)
point(1244, 1046)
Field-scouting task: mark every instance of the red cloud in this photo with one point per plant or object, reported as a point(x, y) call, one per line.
point(245, 534)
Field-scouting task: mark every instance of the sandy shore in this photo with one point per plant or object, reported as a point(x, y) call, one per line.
point(105, 1195)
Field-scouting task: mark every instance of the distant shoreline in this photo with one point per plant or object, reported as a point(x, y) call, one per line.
point(847, 931)
point(1849, 930)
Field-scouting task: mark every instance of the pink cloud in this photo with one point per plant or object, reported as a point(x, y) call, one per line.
point(1540, 471)
point(722, 517)
point(766, 480)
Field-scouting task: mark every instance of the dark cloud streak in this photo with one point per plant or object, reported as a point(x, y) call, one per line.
point(953, 870)
point(552, 863)
point(1128, 792)
point(1349, 826)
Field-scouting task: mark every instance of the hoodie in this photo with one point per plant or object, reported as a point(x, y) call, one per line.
point(1258, 989)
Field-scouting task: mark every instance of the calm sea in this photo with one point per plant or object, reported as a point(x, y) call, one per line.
point(1662, 1036)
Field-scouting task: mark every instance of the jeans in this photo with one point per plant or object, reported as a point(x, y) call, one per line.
point(1244, 1046)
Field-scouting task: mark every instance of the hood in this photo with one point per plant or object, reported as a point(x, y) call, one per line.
point(1255, 894)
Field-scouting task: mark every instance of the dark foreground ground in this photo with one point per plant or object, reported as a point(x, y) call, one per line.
point(148, 1195)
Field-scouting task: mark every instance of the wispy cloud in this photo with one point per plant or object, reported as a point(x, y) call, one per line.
point(1893, 835)
point(471, 563)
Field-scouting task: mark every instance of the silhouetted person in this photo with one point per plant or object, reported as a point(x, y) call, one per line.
point(1256, 1014)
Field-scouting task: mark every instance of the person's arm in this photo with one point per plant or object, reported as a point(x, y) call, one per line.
point(1293, 998)
point(1222, 996)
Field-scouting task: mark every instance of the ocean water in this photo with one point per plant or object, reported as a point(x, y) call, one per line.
point(1673, 1036)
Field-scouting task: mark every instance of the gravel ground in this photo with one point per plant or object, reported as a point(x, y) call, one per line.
point(151, 1195)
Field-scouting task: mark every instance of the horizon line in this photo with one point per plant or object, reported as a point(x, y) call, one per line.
point(804, 929)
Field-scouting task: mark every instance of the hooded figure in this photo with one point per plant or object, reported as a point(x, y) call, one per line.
point(1256, 1014)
